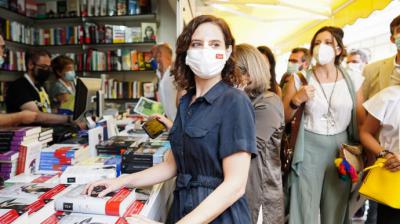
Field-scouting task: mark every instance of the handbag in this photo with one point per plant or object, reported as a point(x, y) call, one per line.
point(382, 185)
point(289, 136)
point(353, 155)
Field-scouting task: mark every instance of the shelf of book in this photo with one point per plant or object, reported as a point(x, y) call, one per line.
point(120, 45)
point(120, 19)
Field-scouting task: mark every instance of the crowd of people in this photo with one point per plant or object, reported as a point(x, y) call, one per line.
point(226, 114)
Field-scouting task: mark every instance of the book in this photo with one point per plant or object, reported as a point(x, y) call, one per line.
point(148, 107)
point(62, 8)
point(115, 144)
point(114, 204)
point(136, 34)
point(21, 7)
point(51, 9)
point(31, 8)
point(148, 90)
point(27, 157)
point(119, 34)
point(68, 218)
point(133, 7)
point(121, 7)
point(149, 32)
point(112, 8)
point(103, 8)
point(74, 174)
point(73, 8)
point(34, 178)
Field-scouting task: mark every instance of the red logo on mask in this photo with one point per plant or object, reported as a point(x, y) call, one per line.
point(219, 56)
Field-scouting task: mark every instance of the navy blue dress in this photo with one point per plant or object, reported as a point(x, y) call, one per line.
point(213, 127)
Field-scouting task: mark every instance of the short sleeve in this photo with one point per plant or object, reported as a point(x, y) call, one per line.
point(18, 94)
point(382, 105)
point(237, 131)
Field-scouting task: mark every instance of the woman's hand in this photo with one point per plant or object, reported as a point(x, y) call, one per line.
point(138, 219)
point(110, 184)
point(167, 122)
point(392, 162)
point(304, 94)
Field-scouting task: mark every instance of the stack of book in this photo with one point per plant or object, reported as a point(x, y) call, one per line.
point(29, 202)
point(117, 145)
point(8, 164)
point(58, 157)
point(46, 136)
point(147, 155)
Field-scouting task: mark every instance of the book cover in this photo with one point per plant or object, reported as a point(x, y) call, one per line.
point(103, 8)
point(21, 7)
point(121, 7)
point(62, 8)
point(136, 34)
point(148, 107)
point(74, 174)
point(113, 204)
point(112, 8)
point(148, 90)
point(149, 32)
point(27, 157)
point(91, 7)
point(51, 9)
point(73, 8)
point(119, 34)
point(147, 60)
point(126, 59)
point(84, 8)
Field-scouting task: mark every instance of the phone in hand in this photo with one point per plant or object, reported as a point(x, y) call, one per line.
point(153, 127)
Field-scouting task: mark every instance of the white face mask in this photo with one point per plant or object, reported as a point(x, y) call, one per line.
point(207, 63)
point(323, 54)
point(356, 67)
point(293, 67)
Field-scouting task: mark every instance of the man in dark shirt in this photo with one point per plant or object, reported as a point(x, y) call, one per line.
point(28, 92)
point(23, 117)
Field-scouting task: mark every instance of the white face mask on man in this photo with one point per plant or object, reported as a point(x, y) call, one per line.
point(356, 67)
point(323, 54)
point(207, 63)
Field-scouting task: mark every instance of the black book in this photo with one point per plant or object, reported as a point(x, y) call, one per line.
point(115, 144)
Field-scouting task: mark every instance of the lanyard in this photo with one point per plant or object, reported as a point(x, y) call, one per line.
point(44, 103)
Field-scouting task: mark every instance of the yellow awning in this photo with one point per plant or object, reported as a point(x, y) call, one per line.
point(342, 15)
point(285, 24)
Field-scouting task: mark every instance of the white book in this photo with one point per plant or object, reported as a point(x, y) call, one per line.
point(74, 174)
point(89, 218)
point(34, 178)
point(74, 201)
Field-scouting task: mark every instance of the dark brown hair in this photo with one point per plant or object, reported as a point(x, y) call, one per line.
point(59, 63)
point(184, 76)
point(337, 33)
point(34, 56)
point(266, 51)
point(306, 53)
point(395, 23)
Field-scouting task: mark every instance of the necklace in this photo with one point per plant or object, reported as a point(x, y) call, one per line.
point(328, 116)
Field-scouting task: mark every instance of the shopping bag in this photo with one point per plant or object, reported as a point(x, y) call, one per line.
point(382, 185)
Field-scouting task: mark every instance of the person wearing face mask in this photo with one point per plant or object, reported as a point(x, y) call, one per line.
point(333, 110)
point(299, 60)
point(213, 135)
point(379, 76)
point(14, 119)
point(356, 60)
point(264, 186)
point(63, 90)
point(29, 93)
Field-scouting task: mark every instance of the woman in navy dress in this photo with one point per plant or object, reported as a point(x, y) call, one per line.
point(212, 137)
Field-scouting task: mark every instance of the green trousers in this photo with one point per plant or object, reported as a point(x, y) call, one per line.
point(318, 195)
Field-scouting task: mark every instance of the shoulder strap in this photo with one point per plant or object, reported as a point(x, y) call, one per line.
point(304, 81)
point(353, 127)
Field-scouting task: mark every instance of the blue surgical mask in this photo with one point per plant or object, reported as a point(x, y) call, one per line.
point(397, 42)
point(1, 61)
point(70, 76)
point(292, 67)
point(154, 64)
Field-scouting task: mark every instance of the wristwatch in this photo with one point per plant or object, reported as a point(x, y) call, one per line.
point(293, 105)
point(383, 153)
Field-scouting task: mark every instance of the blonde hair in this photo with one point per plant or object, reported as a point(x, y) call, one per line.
point(252, 63)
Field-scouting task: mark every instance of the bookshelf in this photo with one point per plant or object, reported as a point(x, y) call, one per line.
point(79, 47)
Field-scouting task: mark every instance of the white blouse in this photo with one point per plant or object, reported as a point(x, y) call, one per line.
point(385, 107)
point(341, 105)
